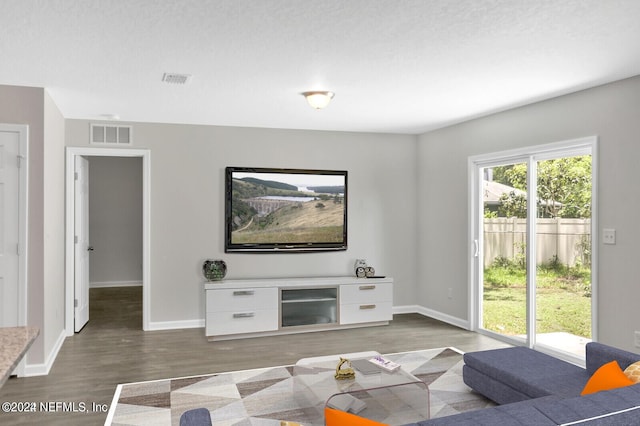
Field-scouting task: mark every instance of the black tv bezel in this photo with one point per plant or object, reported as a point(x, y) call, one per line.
point(307, 247)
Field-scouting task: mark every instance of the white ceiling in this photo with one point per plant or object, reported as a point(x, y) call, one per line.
point(400, 66)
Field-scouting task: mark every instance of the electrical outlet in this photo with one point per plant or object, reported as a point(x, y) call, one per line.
point(636, 336)
point(609, 236)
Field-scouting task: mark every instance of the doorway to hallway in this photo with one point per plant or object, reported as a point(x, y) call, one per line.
point(73, 217)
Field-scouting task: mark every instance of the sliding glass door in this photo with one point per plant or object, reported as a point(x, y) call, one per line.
point(504, 263)
point(563, 256)
point(533, 246)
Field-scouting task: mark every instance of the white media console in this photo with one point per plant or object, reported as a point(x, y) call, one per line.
point(257, 307)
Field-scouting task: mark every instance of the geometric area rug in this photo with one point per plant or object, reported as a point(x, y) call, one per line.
point(264, 396)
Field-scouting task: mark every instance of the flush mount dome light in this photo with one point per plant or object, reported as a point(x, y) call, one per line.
point(318, 99)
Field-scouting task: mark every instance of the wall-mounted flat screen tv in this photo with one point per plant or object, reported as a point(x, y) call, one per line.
point(285, 210)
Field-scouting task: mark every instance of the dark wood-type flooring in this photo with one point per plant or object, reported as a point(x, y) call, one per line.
point(113, 349)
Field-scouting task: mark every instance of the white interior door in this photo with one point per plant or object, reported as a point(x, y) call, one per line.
point(9, 227)
point(82, 246)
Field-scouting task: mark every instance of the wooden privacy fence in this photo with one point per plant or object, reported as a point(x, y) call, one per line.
point(568, 239)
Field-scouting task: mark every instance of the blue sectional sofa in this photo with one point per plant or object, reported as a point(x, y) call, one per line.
point(535, 389)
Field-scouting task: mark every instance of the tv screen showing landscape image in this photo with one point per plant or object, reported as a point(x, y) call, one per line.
point(285, 210)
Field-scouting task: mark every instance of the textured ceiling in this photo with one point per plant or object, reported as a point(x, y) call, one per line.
point(401, 66)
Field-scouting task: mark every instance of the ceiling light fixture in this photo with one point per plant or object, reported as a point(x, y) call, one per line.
point(318, 99)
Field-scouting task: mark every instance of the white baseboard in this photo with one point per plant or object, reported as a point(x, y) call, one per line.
point(43, 369)
point(174, 325)
point(416, 309)
point(406, 309)
point(101, 284)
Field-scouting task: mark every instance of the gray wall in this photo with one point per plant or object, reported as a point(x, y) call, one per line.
point(115, 220)
point(45, 274)
point(612, 113)
point(187, 205)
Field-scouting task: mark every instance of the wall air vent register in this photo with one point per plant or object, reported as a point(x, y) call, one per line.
point(175, 78)
point(109, 134)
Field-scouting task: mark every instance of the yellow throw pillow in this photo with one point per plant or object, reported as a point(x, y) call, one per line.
point(334, 417)
point(609, 376)
point(633, 372)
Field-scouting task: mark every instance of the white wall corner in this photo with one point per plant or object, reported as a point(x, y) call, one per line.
point(415, 309)
point(44, 368)
point(406, 309)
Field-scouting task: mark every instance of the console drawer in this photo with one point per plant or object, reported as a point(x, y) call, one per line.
point(241, 321)
point(365, 312)
point(367, 292)
point(226, 300)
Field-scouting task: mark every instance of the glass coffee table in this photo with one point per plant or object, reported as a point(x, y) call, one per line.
point(393, 398)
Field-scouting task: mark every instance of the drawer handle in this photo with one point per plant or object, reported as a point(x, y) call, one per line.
point(362, 307)
point(244, 315)
point(244, 293)
point(367, 287)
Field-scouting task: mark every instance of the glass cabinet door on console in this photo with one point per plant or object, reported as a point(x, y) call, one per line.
point(309, 306)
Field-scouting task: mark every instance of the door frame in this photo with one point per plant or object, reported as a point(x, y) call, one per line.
point(475, 251)
point(23, 216)
point(71, 153)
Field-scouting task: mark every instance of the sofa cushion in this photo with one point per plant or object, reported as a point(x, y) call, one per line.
point(627, 417)
point(529, 372)
point(491, 388)
point(598, 354)
point(519, 413)
point(599, 404)
point(526, 413)
point(607, 377)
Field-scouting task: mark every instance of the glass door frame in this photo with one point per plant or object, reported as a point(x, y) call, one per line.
point(531, 156)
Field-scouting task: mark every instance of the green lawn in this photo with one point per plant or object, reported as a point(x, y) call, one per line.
point(563, 300)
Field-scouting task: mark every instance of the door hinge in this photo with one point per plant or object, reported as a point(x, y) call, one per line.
point(18, 249)
point(75, 175)
point(20, 158)
point(75, 239)
point(75, 303)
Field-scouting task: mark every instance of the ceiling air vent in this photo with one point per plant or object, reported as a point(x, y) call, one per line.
point(174, 78)
point(110, 134)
